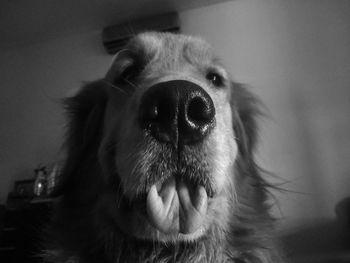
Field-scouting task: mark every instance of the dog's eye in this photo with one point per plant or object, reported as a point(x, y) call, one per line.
point(215, 78)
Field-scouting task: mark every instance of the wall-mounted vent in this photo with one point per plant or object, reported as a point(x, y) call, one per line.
point(115, 37)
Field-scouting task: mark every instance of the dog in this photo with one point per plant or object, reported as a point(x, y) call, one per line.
point(160, 163)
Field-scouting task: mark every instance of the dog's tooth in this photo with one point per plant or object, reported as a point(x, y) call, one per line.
point(168, 193)
point(154, 200)
point(163, 207)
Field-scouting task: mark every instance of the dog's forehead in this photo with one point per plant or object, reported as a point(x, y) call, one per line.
point(165, 46)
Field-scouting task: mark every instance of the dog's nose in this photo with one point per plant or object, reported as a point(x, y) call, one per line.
point(178, 112)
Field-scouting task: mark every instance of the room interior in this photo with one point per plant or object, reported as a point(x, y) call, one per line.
point(294, 54)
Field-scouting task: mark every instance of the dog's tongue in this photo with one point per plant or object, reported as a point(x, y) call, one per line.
point(177, 208)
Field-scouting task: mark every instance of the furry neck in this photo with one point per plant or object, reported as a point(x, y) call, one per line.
point(210, 248)
point(118, 247)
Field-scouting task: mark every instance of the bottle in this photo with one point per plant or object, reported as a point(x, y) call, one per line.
point(40, 183)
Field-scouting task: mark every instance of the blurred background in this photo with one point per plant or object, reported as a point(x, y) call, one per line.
point(294, 54)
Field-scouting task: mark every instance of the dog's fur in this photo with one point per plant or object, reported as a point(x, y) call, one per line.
point(112, 163)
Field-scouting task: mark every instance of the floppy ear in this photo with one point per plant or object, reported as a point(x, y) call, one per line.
point(245, 108)
point(85, 113)
point(253, 187)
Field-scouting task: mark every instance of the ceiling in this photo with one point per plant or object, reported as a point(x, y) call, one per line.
point(31, 21)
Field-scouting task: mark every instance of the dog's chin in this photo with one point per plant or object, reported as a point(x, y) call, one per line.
point(171, 211)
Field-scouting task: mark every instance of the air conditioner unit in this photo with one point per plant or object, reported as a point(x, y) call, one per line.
point(115, 37)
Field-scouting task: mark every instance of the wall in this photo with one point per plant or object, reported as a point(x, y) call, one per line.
point(294, 54)
point(34, 79)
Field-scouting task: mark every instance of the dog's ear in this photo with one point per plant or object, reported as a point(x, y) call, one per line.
point(85, 113)
point(246, 108)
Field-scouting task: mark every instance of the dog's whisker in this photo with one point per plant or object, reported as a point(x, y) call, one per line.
point(130, 28)
point(131, 83)
point(234, 192)
point(175, 252)
point(130, 156)
point(118, 202)
point(116, 87)
point(119, 196)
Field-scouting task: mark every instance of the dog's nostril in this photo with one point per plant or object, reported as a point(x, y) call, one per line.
point(158, 110)
point(199, 110)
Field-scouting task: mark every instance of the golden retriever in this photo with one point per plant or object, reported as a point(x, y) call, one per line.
point(160, 164)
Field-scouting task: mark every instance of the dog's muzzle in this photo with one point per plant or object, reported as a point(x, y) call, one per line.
point(178, 112)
